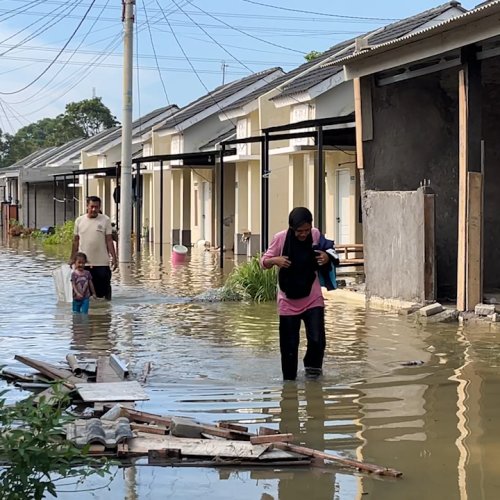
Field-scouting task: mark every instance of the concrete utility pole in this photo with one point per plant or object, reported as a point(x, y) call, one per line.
point(124, 242)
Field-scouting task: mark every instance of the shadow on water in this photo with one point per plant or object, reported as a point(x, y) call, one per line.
point(437, 422)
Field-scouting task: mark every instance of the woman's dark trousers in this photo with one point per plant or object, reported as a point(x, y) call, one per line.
point(314, 321)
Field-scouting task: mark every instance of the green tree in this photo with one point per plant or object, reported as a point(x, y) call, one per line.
point(91, 116)
point(80, 119)
point(310, 56)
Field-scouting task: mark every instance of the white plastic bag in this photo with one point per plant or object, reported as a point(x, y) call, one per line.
point(62, 281)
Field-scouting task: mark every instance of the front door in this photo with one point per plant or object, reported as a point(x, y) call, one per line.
point(343, 206)
point(205, 201)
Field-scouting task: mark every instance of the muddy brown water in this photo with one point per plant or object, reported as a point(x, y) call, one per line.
point(436, 422)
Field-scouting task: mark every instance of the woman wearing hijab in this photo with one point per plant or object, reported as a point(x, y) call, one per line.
point(299, 295)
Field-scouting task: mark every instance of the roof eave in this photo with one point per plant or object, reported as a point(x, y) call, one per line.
point(470, 28)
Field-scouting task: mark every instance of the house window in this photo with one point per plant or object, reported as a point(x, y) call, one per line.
point(242, 133)
point(300, 113)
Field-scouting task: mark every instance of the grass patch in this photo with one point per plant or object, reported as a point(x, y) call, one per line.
point(62, 235)
point(251, 282)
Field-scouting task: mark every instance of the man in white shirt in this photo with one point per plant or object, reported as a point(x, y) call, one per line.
point(93, 237)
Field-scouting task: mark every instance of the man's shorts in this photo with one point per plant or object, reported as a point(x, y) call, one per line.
point(101, 278)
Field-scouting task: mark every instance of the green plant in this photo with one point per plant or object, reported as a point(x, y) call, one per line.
point(33, 453)
point(62, 235)
point(252, 282)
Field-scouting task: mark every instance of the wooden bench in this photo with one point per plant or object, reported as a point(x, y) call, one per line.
point(350, 255)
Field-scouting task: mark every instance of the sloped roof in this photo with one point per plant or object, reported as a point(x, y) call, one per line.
point(216, 140)
point(139, 126)
point(484, 9)
point(214, 97)
point(382, 35)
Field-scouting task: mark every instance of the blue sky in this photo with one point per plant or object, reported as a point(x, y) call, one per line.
point(237, 35)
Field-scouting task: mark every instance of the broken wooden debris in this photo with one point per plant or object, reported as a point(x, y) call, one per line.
point(118, 366)
point(125, 432)
point(111, 391)
point(271, 438)
point(346, 462)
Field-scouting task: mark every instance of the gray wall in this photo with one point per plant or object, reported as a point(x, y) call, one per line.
point(394, 245)
point(416, 137)
point(491, 128)
point(45, 206)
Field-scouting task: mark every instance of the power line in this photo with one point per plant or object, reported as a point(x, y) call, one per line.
point(19, 10)
point(40, 29)
point(71, 55)
point(339, 16)
point(193, 68)
point(55, 59)
point(172, 111)
point(325, 17)
point(40, 48)
point(245, 33)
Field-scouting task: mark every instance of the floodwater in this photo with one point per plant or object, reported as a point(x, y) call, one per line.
point(437, 422)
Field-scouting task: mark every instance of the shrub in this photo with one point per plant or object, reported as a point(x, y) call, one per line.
point(252, 282)
point(63, 234)
point(33, 451)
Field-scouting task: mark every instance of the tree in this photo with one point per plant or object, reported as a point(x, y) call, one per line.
point(90, 115)
point(80, 120)
point(310, 56)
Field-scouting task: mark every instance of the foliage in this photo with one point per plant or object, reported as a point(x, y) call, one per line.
point(310, 56)
point(252, 282)
point(80, 119)
point(62, 235)
point(33, 450)
point(90, 116)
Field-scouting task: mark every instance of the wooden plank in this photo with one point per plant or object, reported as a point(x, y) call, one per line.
point(474, 281)
point(119, 366)
point(50, 396)
point(104, 371)
point(185, 427)
point(112, 391)
point(149, 429)
point(142, 416)
point(196, 447)
point(51, 371)
point(430, 247)
point(234, 427)
point(346, 462)
point(358, 110)
point(267, 431)
point(276, 438)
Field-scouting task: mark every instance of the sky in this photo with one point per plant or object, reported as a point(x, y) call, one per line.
point(53, 52)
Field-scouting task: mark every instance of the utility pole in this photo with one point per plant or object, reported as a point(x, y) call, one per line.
point(124, 242)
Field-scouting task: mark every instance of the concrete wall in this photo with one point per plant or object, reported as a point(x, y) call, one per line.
point(394, 245)
point(41, 214)
point(415, 125)
point(491, 126)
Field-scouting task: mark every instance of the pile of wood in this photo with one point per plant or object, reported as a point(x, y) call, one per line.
point(111, 425)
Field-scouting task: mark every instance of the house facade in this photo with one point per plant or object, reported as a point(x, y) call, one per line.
point(427, 114)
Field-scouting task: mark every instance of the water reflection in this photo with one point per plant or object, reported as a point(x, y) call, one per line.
point(437, 422)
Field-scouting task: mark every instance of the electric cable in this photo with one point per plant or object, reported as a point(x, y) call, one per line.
point(55, 59)
point(319, 13)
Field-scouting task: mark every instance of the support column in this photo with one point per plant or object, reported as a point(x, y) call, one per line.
point(175, 214)
point(241, 211)
point(470, 190)
point(186, 207)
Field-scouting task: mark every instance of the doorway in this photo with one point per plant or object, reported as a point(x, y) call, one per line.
point(343, 206)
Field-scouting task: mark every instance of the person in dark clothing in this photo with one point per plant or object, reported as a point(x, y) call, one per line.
point(299, 297)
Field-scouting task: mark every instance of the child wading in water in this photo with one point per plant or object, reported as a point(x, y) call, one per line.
point(83, 288)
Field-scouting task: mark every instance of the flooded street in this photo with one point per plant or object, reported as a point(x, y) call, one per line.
point(436, 422)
